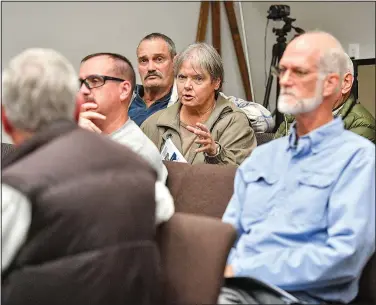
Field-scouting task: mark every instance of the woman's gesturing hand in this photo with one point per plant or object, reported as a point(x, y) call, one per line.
point(204, 138)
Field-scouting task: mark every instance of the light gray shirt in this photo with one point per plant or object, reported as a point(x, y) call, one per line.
point(133, 137)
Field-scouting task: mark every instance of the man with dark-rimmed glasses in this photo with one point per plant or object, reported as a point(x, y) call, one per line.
point(107, 81)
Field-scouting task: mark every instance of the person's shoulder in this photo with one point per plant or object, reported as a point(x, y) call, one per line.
point(230, 111)
point(359, 112)
point(152, 120)
point(263, 154)
point(354, 142)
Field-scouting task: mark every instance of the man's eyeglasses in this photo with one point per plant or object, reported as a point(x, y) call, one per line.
point(295, 73)
point(95, 81)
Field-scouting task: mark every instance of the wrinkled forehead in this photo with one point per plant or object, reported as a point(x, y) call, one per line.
point(103, 65)
point(300, 54)
point(153, 46)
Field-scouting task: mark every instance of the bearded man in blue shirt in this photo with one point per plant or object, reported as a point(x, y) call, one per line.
point(304, 205)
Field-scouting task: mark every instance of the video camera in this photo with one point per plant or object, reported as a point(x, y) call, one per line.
point(278, 12)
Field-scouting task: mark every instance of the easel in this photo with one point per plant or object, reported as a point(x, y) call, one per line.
point(216, 34)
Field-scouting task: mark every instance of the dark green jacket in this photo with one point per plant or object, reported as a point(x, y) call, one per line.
point(355, 117)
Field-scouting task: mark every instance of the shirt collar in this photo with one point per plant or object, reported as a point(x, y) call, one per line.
point(140, 93)
point(318, 137)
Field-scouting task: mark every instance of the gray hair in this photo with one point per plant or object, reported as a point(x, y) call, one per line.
point(204, 56)
point(350, 65)
point(39, 87)
point(332, 60)
point(166, 39)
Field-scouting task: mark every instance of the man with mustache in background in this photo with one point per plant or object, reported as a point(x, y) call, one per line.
point(155, 54)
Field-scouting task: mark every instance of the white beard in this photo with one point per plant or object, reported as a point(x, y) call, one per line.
point(289, 104)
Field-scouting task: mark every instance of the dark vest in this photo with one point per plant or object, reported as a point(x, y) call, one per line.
point(92, 234)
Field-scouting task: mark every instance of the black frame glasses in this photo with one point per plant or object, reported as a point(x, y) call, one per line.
point(97, 80)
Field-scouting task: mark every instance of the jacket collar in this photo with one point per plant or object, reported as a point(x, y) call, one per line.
point(139, 93)
point(170, 116)
point(346, 106)
point(40, 138)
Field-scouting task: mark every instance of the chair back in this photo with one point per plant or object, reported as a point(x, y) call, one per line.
point(194, 252)
point(201, 189)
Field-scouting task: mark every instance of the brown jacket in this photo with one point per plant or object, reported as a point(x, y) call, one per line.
point(228, 125)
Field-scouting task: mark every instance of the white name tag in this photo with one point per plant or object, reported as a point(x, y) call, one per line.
point(171, 153)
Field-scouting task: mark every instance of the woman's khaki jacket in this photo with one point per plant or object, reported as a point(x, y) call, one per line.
point(229, 127)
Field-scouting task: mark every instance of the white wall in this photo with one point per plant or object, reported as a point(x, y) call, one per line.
point(79, 28)
point(349, 22)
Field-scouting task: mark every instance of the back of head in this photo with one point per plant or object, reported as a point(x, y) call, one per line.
point(205, 57)
point(39, 87)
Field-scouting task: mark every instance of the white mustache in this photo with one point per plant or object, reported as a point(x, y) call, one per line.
point(287, 92)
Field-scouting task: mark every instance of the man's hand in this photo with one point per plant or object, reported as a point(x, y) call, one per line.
point(86, 116)
point(204, 138)
point(228, 271)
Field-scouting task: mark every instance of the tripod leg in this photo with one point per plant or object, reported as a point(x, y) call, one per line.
point(269, 83)
point(279, 117)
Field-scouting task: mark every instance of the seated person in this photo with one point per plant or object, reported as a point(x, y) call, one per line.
point(304, 205)
point(355, 116)
point(155, 54)
point(203, 126)
point(107, 82)
point(78, 209)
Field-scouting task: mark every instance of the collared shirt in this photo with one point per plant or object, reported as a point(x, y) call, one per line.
point(139, 112)
point(304, 211)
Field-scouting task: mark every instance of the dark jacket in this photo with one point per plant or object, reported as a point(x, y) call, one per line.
point(91, 239)
point(355, 117)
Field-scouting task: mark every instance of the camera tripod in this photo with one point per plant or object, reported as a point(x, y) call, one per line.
point(277, 52)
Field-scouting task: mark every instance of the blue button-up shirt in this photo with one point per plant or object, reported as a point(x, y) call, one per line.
point(304, 212)
point(138, 111)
